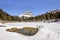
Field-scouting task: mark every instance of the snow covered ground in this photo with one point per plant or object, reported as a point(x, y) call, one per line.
point(50, 31)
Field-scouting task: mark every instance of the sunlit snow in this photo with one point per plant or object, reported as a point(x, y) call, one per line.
point(50, 31)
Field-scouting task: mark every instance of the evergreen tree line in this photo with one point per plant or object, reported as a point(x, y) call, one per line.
point(55, 16)
point(6, 17)
point(48, 16)
point(43, 17)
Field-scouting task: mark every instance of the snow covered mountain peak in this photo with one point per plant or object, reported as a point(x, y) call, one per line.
point(26, 14)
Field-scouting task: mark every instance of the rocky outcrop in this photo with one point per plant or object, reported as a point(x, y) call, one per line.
point(28, 31)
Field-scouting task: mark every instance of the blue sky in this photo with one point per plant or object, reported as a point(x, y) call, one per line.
point(16, 7)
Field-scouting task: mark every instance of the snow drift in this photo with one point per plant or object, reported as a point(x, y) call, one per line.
point(50, 31)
